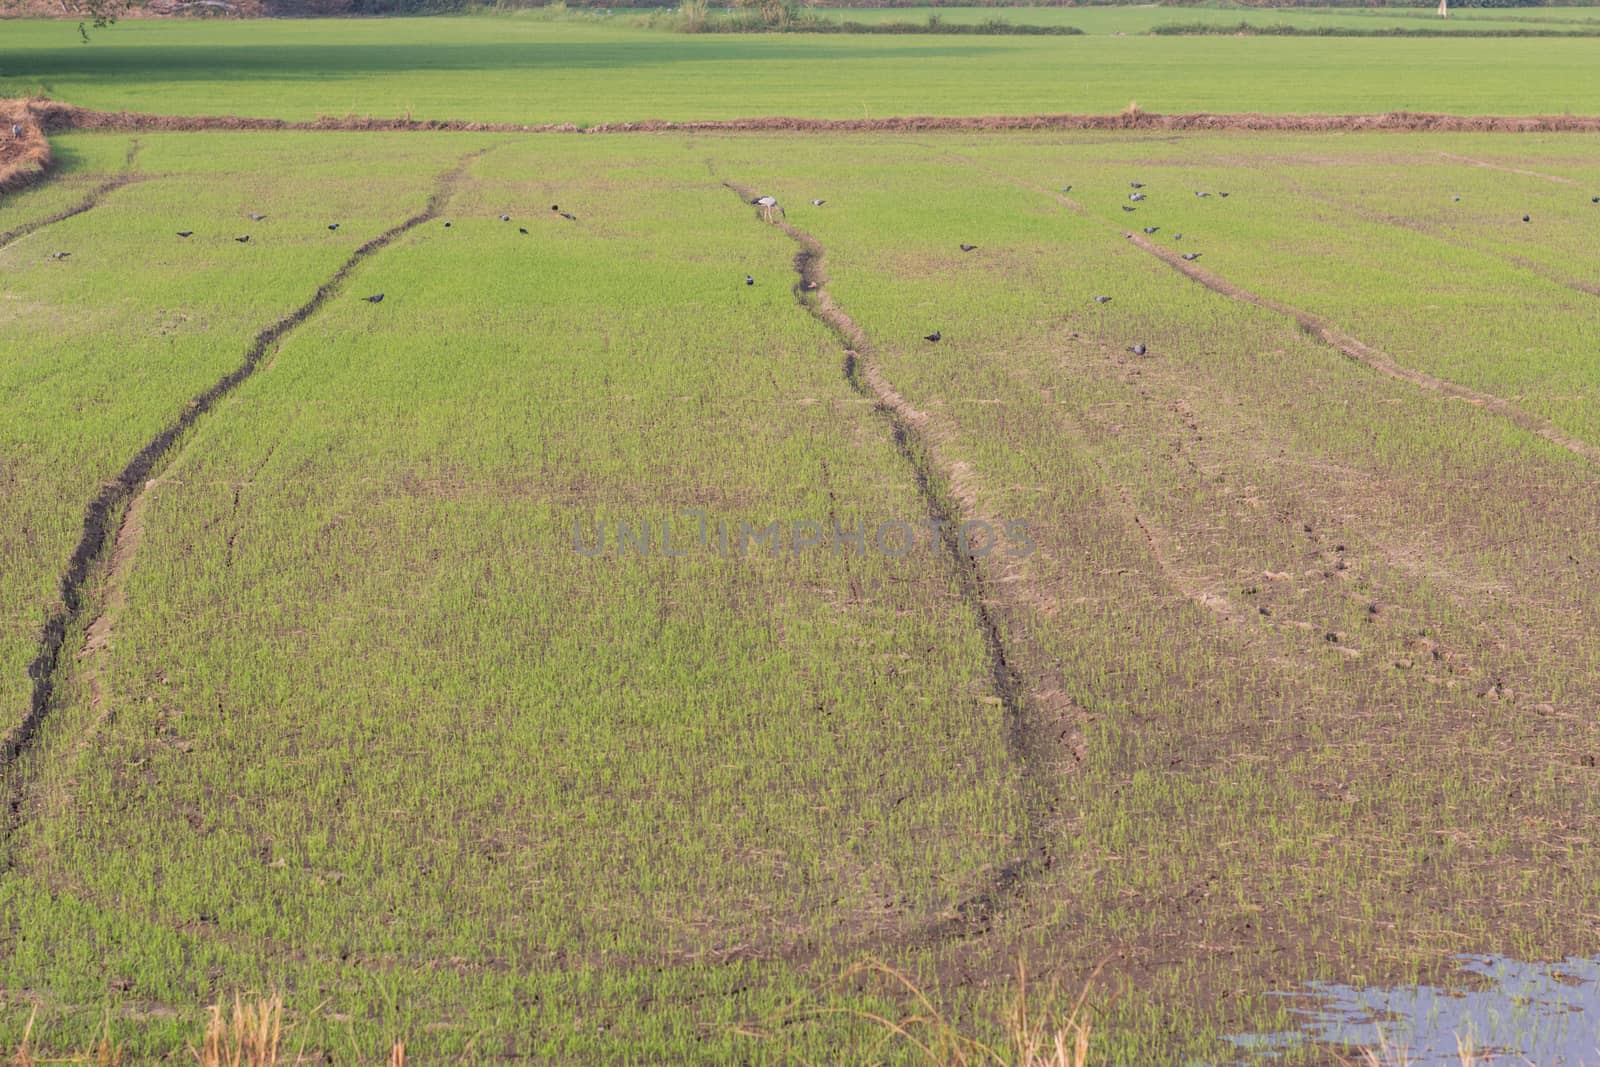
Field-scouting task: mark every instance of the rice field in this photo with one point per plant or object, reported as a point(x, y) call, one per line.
point(584, 70)
point(523, 597)
point(554, 660)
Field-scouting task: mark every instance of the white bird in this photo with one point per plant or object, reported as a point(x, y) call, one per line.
point(767, 204)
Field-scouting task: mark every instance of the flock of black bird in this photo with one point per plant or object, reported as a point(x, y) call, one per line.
point(1138, 196)
point(375, 298)
point(769, 202)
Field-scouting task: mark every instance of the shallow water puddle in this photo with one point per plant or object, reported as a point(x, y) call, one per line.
point(1545, 1014)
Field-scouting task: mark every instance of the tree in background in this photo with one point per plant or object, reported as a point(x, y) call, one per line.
point(95, 13)
point(773, 12)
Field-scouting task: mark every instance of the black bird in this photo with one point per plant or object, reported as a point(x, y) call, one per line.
point(375, 298)
point(59, 255)
point(243, 240)
point(748, 280)
point(569, 216)
point(505, 218)
point(1136, 185)
point(1177, 237)
point(185, 233)
point(934, 336)
point(1151, 229)
point(968, 248)
point(447, 224)
point(1102, 300)
point(1066, 188)
point(1594, 200)
point(255, 218)
point(1526, 219)
point(1137, 350)
point(522, 229)
point(1458, 199)
point(1191, 256)
point(1220, 193)
point(1125, 207)
point(333, 225)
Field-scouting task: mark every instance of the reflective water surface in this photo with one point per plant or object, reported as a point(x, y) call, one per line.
point(1545, 1014)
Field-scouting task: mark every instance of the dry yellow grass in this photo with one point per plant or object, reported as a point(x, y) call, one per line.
point(1031, 1040)
point(21, 161)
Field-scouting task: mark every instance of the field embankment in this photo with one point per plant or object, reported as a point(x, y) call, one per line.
point(24, 159)
point(60, 117)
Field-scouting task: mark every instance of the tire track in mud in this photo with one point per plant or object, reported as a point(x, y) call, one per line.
point(1373, 359)
point(948, 493)
point(124, 494)
point(97, 194)
point(1322, 330)
point(1414, 226)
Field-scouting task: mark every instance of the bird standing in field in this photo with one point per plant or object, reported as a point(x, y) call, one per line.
point(1137, 350)
point(255, 218)
point(968, 248)
point(243, 240)
point(569, 216)
point(1136, 185)
point(447, 224)
point(767, 204)
point(1136, 197)
point(375, 298)
point(935, 336)
point(1458, 199)
point(749, 279)
point(59, 255)
point(185, 233)
point(1102, 300)
point(333, 225)
point(1525, 218)
point(1125, 207)
point(505, 218)
point(1191, 256)
point(818, 203)
point(1198, 193)
point(522, 229)
point(1151, 229)
point(1066, 188)
point(1222, 194)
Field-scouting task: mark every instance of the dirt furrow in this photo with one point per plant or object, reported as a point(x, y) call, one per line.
point(1370, 357)
point(99, 192)
point(950, 495)
point(124, 494)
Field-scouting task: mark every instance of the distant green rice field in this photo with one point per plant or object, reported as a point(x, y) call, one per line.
point(1142, 18)
point(515, 69)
